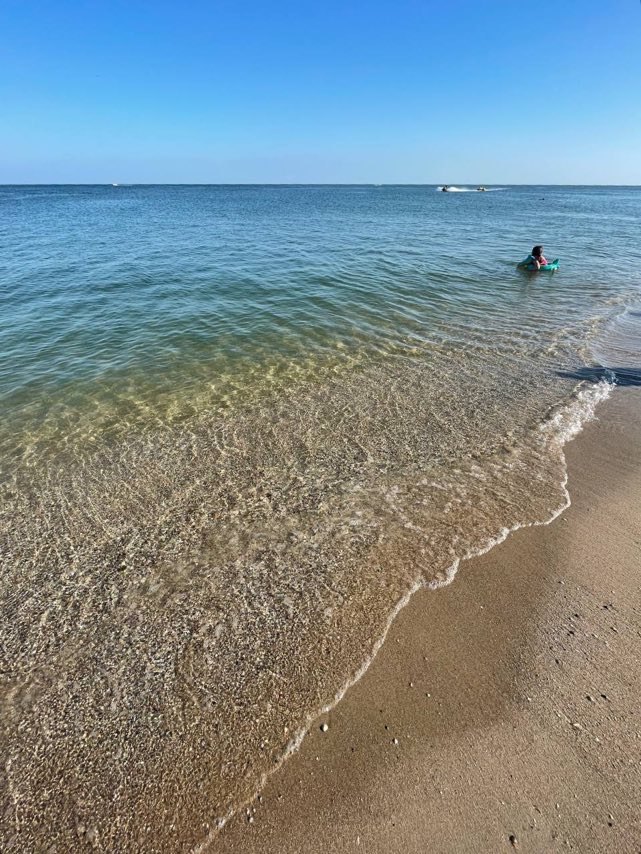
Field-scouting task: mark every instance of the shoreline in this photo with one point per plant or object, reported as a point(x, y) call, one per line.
point(390, 724)
point(568, 421)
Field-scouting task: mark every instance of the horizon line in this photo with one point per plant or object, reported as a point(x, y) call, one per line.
point(291, 184)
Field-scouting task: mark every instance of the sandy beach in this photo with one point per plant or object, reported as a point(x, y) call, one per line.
point(502, 712)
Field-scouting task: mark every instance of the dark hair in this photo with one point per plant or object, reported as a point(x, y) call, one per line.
point(537, 250)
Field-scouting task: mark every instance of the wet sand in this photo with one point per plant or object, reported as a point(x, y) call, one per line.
point(502, 712)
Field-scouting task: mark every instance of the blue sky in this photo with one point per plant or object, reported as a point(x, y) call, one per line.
point(407, 92)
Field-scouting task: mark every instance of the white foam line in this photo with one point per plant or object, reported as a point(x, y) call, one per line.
point(453, 189)
point(576, 415)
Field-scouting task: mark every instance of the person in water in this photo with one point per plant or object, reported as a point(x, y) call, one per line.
point(536, 260)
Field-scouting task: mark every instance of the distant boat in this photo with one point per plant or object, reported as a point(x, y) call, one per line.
point(445, 189)
point(481, 189)
point(115, 185)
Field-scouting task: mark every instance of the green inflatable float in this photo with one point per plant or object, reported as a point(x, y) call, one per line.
point(528, 265)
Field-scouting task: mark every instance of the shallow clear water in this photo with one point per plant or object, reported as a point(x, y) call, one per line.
point(138, 305)
point(239, 425)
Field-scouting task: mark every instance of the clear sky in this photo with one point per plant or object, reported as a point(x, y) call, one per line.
point(412, 91)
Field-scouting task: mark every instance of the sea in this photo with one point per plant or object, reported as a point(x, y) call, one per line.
point(240, 426)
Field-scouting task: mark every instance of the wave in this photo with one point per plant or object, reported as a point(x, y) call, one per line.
point(562, 425)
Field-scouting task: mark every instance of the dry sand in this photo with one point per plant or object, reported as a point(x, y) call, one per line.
point(503, 711)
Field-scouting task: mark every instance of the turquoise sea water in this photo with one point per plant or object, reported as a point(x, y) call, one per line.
point(123, 305)
point(240, 424)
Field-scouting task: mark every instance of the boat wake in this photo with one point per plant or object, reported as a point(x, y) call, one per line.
point(450, 189)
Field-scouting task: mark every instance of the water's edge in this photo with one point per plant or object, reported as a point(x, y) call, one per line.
point(564, 425)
